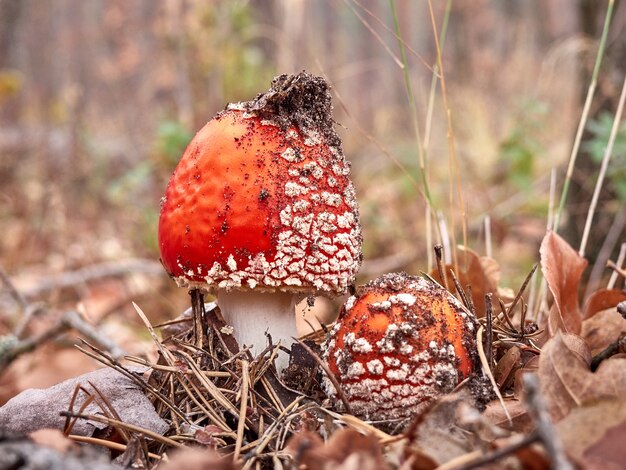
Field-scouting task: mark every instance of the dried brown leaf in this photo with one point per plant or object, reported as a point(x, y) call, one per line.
point(439, 434)
point(53, 439)
point(603, 299)
point(609, 452)
point(531, 457)
point(506, 367)
point(594, 434)
point(610, 378)
point(196, 459)
point(206, 436)
point(346, 449)
point(562, 267)
point(482, 274)
point(563, 372)
point(602, 329)
point(567, 382)
point(520, 420)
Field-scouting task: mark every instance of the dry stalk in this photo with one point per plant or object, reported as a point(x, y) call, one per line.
point(108, 444)
point(245, 383)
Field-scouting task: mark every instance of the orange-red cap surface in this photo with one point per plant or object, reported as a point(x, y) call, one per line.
point(258, 202)
point(400, 344)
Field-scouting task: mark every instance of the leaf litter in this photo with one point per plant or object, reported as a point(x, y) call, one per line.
point(219, 407)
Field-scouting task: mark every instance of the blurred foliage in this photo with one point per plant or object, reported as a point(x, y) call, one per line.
point(226, 38)
point(171, 139)
point(600, 130)
point(97, 106)
point(521, 147)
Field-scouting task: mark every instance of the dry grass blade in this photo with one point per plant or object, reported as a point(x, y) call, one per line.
point(108, 361)
point(108, 444)
point(125, 426)
point(461, 292)
point(271, 432)
point(208, 385)
point(245, 383)
point(69, 422)
point(166, 354)
point(329, 374)
point(199, 399)
point(521, 290)
point(487, 371)
point(617, 120)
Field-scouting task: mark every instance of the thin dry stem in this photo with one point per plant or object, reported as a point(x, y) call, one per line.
point(487, 371)
point(245, 383)
point(617, 121)
point(107, 444)
point(618, 265)
point(126, 426)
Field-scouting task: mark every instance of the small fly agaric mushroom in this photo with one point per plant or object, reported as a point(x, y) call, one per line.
point(397, 346)
point(261, 211)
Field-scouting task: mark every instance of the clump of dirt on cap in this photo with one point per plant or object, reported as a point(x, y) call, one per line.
point(301, 100)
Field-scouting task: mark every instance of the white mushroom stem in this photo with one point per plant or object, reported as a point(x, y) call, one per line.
point(251, 314)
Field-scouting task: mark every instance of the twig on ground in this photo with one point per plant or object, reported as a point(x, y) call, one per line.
point(522, 289)
point(76, 321)
point(11, 351)
point(69, 320)
point(487, 371)
point(94, 272)
point(13, 292)
point(125, 426)
point(241, 425)
point(489, 329)
point(620, 259)
point(462, 463)
point(460, 291)
point(108, 361)
point(543, 425)
point(108, 444)
point(329, 374)
point(616, 347)
point(616, 268)
point(544, 433)
point(440, 267)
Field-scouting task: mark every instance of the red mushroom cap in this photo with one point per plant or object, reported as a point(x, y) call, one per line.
point(262, 197)
point(400, 344)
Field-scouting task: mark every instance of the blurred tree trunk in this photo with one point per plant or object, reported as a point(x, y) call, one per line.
point(9, 16)
point(10, 11)
point(591, 17)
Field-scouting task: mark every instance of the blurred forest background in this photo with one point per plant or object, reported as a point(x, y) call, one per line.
point(98, 99)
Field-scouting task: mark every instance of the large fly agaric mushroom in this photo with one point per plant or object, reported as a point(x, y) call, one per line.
point(261, 211)
point(397, 346)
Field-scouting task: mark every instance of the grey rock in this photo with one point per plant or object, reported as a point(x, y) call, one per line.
point(35, 409)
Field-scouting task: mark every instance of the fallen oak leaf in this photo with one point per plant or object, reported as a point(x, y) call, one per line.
point(346, 448)
point(602, 329)
point(593, 434)
point(482, 274)
point(520, 420)
point(566, 380)
point(563, 373)
point(54, 439)
point(603, 299)
point(562, 268)
point(198, 459)
point(608, 453)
